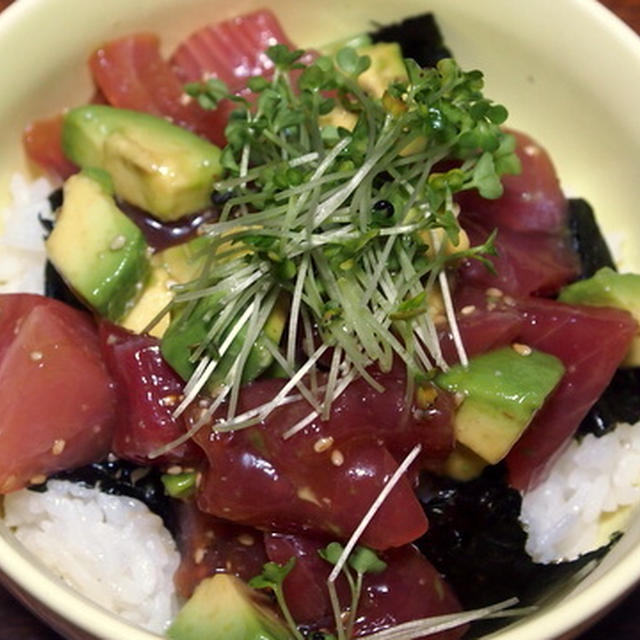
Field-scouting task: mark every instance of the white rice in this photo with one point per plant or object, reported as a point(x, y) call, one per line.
point(590, 480)
point(22, 254)
point(110, 548)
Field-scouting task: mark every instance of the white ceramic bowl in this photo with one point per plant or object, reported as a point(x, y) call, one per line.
point(565, 69)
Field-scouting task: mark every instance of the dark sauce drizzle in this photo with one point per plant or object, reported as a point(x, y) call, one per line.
point(162, 235)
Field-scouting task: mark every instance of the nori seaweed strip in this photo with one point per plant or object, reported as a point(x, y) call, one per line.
point(122, 478)
point(419, 38)
point(476, 541)
point(56, 198)
point(620, 402)
point(55, 287)
point(587, 239)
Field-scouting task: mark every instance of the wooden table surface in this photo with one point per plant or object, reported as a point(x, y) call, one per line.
point(623, 623)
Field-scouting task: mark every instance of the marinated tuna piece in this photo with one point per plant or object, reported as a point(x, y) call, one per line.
point(57, 398)
point(232, 50)
point(132, 74)
point(209, 545)
point(149, 391)
point(324, 478)
point(408, 589)
point(42, 142)
point(591, 342)
point(330, 495)
point(481, 330)
point(535, 255)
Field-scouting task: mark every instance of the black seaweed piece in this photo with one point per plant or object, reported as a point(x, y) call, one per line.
point(419, 38)
point(55, 199)
point(55, 287)
point(122, 478)
point(620, 402)
point(476, 542)
point(587, 239)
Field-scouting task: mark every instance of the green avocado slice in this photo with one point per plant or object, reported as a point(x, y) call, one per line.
point(224, 608)
point(96, 248)
point(189, 328)
point(501, 391)
point(155, 165)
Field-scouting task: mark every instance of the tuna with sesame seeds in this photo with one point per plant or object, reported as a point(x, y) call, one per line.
point(50, 367)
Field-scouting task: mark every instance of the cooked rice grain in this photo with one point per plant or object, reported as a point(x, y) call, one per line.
point(110, 548)
point(22, 254)
point(592, 478)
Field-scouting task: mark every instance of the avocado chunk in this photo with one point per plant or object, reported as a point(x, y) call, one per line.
point(608, 288)
point(155, 297)
point(175, 265)
point(224, 608)
point(189, 328)
point(185, 261)
point(502, 390)
point(155, 165)
point(96, 248)
point(463, 464)
point(387, 66)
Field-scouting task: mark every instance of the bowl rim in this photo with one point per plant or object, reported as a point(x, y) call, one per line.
point(570, 613)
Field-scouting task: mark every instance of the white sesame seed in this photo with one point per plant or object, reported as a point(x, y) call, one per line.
point(36, 355)
point(174, 470)
point(246, 540)
point(58, 447)
point(118, 242)
point(522, 349)
point(337, 458)
point(494, 292)
point(323, 444)
point(171, 400)
point(468, 310)
point(198, 555)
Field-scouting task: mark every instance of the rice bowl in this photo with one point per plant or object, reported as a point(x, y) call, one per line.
point(612, 577)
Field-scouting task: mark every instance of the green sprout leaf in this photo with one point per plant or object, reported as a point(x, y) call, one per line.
point(208, 94)
point(364, 560)
point(332, 552)
point(351, 63)
point(273, 575)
